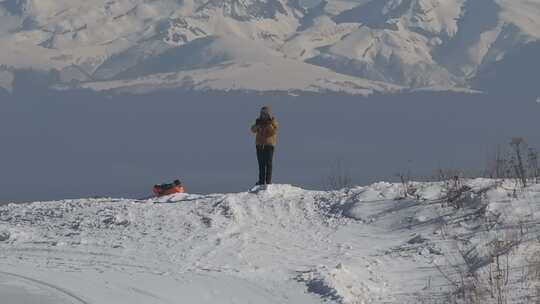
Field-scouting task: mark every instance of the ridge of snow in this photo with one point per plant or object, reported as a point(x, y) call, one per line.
point(285, 244)
point(259, 76)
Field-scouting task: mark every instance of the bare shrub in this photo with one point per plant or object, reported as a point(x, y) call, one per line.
point(443, 175)
point(497, 166)
point(519, 163)
point(499, 269)
point(453, 188)
point(466, 287)
point(339, 176)
point(407, 187)
point(518, 145)
point(490, 283)
point(533, 165)
point(532, 279)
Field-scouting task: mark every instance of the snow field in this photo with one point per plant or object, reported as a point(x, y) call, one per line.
point(280, 245)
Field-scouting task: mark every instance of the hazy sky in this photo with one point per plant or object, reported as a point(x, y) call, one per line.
point(79, 145)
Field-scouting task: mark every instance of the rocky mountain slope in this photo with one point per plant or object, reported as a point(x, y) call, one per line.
point(356, 46)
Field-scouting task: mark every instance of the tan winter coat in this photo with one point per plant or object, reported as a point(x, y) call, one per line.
point(266, 133)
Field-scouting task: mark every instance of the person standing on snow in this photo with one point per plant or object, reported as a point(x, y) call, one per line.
point(265, 128)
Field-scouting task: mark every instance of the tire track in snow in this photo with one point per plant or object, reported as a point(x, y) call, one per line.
point(63, 291)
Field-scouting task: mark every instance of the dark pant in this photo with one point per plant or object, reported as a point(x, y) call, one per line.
point(265, 154)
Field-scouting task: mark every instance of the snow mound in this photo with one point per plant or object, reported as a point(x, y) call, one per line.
point(373, 244)
point(334, 284)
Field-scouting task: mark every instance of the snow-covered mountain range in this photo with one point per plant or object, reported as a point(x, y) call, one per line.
point(339, 45)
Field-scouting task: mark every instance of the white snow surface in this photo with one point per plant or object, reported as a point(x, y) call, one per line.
point(282, 244)
point(410, 43)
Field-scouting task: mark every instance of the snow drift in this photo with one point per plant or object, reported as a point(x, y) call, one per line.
point(281, 245)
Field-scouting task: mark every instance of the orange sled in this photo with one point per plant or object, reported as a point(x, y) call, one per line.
point(168, 189)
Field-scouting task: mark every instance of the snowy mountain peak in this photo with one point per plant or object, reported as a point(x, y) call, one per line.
point(409, 43)
point(246, 10)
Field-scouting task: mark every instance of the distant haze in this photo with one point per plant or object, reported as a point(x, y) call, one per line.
point(82, 144)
